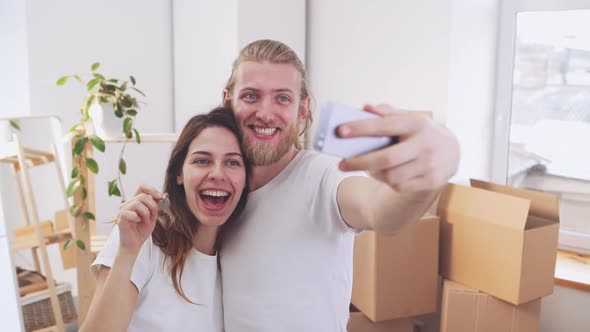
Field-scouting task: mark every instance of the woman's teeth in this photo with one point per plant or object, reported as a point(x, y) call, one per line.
point(215, 193)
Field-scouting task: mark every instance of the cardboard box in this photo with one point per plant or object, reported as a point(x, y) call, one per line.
point(467, 310)
point(498, 239)
point(359, 323)
point(396, 276)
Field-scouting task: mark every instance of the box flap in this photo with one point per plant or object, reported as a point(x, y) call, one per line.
point(458, 202)
point(543, 205)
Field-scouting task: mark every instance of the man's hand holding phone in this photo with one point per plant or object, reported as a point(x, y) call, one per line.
point(424, 157)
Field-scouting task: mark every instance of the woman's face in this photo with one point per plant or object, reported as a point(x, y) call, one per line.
point(213, 175)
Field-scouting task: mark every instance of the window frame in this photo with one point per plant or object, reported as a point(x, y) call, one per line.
point(568, 240)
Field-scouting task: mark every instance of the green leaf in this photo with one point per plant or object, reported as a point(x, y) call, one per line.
point(99, 76)
point(127, 123)
point(122, 166)
point(82, 179)
point(131, 112)
point(95, 66)
point(137, 138)
point(75, 172)
point(138, 91)
point(127, 102)
point(92, 83)
point(68, 244)
point(88, 215)
point(123, 86)
point(132, 79)
point(113, 80)
point(74, 128)
point(118, 114)
point(114, 189)
point(80, 244)
point(62, 80)
point(97, 142)
point(79, 145)
point(73, 187)
point(84, 193)
point(74, 210)
point(92, 165)
point(15, 124)
point(78, 79)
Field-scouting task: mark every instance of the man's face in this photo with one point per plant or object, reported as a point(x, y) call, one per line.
point(266, 101)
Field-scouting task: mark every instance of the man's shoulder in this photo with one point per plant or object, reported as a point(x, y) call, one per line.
point(311, 157)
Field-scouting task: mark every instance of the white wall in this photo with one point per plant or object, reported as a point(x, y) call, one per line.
point(380, 52)
point(208, 36)
point(471, 83)
point(283, 20)
point(205, 44)
point(14, 90)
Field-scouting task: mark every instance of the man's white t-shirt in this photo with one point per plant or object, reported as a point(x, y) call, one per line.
point(286, 262)
point(159, 306)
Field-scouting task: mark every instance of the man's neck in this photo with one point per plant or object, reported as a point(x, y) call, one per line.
point(262, 175)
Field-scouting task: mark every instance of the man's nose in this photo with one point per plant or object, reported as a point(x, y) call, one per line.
point(265, 110)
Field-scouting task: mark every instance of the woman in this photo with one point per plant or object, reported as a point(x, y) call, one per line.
point(162, 275)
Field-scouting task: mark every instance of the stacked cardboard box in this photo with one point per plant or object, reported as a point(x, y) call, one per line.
point(466, 309)
point(396, 276)
point(498, 244)
point(360, 323)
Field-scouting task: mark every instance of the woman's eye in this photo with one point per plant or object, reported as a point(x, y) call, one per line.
point(233, 163)
point(201, 161)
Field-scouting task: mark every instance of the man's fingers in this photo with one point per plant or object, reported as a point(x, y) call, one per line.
point(382, 109)
point(383, 159)
point(394, 125)
point(403, 173)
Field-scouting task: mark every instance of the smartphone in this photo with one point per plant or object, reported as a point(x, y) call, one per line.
point(327, 140)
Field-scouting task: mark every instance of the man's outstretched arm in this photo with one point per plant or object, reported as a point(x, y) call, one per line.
point(405, 177)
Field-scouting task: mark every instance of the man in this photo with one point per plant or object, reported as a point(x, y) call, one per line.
point(287, 263)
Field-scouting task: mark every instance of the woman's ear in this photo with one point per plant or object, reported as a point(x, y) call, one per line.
point(179, 179)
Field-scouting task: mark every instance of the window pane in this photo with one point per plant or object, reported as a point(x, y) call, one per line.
point(550, 124)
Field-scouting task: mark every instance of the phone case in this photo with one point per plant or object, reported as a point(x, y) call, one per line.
point(327, 141)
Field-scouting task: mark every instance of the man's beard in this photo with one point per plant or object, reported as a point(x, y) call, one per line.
point(261, 153)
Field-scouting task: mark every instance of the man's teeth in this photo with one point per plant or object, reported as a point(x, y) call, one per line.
point(265, 131)
point(214, 193)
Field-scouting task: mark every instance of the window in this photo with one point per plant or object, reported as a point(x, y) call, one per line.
point(542, 138)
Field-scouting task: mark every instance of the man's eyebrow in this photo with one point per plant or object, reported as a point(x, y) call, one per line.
point(273, 90)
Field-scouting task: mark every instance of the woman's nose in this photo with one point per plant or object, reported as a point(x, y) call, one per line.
point(217, 172)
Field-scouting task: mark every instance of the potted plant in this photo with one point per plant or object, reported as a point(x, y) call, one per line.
point(109, 109)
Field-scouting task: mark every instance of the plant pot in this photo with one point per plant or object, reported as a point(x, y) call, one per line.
point(105, 122)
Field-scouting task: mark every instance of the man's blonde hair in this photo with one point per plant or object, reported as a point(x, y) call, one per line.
point(272, 51)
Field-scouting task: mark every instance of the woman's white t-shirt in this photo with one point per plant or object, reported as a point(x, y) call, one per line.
point(159, 306)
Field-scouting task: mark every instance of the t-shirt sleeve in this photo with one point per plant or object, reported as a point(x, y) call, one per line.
point(144, 264)
point(331, 181)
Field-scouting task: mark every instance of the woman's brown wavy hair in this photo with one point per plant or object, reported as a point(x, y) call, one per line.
point(175, 236)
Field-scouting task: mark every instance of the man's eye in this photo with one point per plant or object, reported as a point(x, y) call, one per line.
point(284, 99)
point(250, 96)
